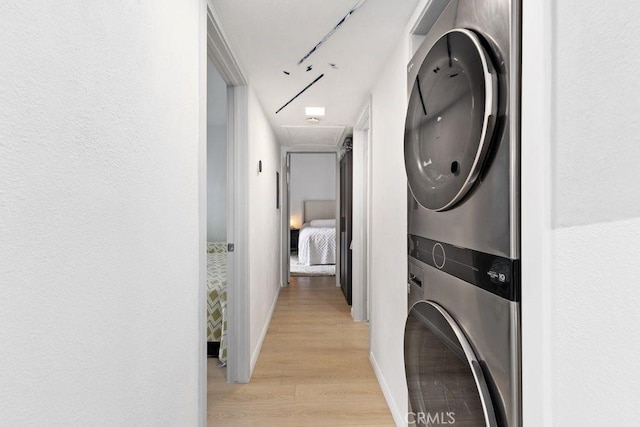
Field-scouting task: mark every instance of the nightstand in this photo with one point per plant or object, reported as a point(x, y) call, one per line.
point(295, 232)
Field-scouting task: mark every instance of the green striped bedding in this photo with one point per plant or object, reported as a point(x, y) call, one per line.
point(217, 296)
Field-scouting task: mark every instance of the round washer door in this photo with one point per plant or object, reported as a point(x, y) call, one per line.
point(450, 120)
point(444, 377)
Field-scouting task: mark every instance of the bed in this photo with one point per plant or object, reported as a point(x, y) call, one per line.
point(317, 239)
point(217, 299)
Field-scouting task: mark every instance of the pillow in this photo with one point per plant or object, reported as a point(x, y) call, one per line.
point(324, 223)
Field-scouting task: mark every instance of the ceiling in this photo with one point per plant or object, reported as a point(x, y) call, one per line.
point(269, 37)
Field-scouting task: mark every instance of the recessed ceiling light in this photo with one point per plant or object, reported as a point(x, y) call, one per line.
point(314, 111)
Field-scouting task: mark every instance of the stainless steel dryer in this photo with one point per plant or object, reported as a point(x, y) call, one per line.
point(462, 336)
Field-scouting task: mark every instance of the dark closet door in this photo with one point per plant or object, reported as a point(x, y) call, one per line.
point(346, 226)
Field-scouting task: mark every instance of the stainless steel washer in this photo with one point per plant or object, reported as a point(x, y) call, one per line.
point(476, 296)
point(443, 372)
point(462, 335)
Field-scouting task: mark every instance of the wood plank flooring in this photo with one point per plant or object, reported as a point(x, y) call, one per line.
point(313, 369)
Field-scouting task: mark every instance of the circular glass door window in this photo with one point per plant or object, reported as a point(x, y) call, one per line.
point(446, 383)
point(450, 120)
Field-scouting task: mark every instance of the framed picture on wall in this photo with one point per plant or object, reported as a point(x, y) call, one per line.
point(277, 190)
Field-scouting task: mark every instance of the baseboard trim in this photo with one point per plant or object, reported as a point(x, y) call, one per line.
point(263, 334)
point(398, 415)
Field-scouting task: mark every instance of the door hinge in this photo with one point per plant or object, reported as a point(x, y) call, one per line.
point(230, 247)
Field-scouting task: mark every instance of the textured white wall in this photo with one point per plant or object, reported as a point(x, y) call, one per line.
point(99, 261)
point(216, 155)
point(389, 228)
point(264, 224)
point(596, 108)
point(313, 177)
point(596, 147)
point(595, 324)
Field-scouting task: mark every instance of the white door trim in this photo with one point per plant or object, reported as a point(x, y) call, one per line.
point(238, 339)
point(285, 215)
point(361, 155)
point(238, 336)
point(338, 178)
point(202, 219)
point(285, 250)
point(536, 210)
point(220, 51)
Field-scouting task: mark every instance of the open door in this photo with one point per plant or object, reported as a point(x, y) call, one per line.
point(346, 221)
point(233, 97)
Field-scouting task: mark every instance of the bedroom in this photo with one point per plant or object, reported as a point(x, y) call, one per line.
point(312, 214)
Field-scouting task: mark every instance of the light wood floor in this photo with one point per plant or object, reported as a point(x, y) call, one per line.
point(313, 369)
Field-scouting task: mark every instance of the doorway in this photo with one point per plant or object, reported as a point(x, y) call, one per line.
point(311, 192)
point(217, 195)
point(231, 95)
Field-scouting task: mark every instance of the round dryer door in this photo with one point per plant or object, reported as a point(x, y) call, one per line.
point(443, 375)
point(450, 120)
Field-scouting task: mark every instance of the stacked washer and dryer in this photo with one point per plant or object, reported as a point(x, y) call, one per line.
point(462, 334)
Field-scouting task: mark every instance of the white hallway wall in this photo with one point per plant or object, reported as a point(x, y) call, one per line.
point(99, 223)
point(595, 238)
point(389, 229)
point(596, 213)
point(313, 177)
point(264, 225)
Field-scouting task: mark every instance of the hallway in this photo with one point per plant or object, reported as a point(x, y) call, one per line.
point(313, 369)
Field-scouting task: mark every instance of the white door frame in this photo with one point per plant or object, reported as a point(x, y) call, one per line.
point(238, 351)
point(285, 249)
point(361, 215)
point(536, 211)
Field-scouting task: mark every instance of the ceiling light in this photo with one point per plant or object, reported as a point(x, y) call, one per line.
point(313, 120)
point(314, 111)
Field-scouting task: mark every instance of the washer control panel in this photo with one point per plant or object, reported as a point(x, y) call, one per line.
point(498, 275)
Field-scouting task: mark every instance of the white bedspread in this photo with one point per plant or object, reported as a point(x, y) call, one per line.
point(317, 245)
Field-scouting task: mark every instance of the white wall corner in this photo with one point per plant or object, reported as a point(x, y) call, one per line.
point(399, 415)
